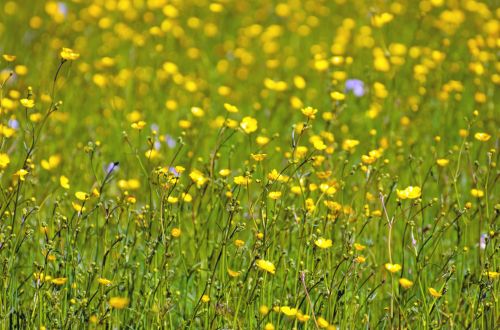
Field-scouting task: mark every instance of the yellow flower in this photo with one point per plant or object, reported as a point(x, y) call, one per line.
point(442, 162)
point(197, 112)
point(233, 273)
point(482, 136)
point(64, 182)
point(477, 193)
point(393, 268)
point(409, 192)
point(242, 180)
point(359, 247)
point(21, 174)
point(435, 293)
point(288, 311)
point(249, 124)
point(51, 163)
point(323, 243)
point(405, 283)
point(82, 195)
point(176, 232)
point(230, 108)
point(349, 144)
point(301, 317)
point(69, 54)
point(225, 172)
point(59, 281)
point(266, 265)
point(119, 302)
point(492, 275)
point(198, 178)
point(381, 19)
point(360, 259)
point(138, 125)
point(263, 310)
point(275, 195)
point(9, 58)
point(258, 157)
point(269, 326)
point(309, 112)
point(27, 103)
point(205, 298)
point(4, 160)
point(104, 281)
point(239, 243)
point(337, 96)
point(322, 323)
point(77, 207)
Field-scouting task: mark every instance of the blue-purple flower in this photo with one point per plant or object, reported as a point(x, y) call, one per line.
point(356, 86)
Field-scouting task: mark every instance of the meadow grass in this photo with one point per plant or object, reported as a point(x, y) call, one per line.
point(315, 164)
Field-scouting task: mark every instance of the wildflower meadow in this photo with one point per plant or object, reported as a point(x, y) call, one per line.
point(263, 164)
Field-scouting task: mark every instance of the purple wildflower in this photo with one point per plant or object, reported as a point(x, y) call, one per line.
point(356, 86)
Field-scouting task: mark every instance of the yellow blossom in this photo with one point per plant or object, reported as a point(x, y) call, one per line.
point(104, 281)
point(288, 311)
point(4, 160)
point(309, 112)
point(21, 174)
point(119, 302)
point(233, 273)
point(409, 192)
point(442, 162)
point(266, 265)
point(249, 124)
point(405, 283)
point(275, 195)
point(69, 54)
point(323, 243)
point(27, 103)
point(77, 207)
point(59, 281)
point(435, 293)
point(393, 268)
point(82, 195)
point(482, 136)
point(230, 108)
point(64, 182)
point(478, 193)
point(175, 232)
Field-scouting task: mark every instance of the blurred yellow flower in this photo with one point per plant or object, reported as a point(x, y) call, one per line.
point(323, 243)
point(405, 283)
point(477, 193)
point(275, 195)
point(69, 54)
point(482, 136)
point(64, 182)
point(59, 281)
point(176, 232)
point(249, 124)
point(4, 160)
point(266, 265)
point(393, 268)
point(27, 103)
point(119, 302)
point(21, 174)
point(104, 281)
point(309, 112)
point(409, 192)
point(82, 195)
point(233, 273)
point(442, 162)
point(435, 293)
